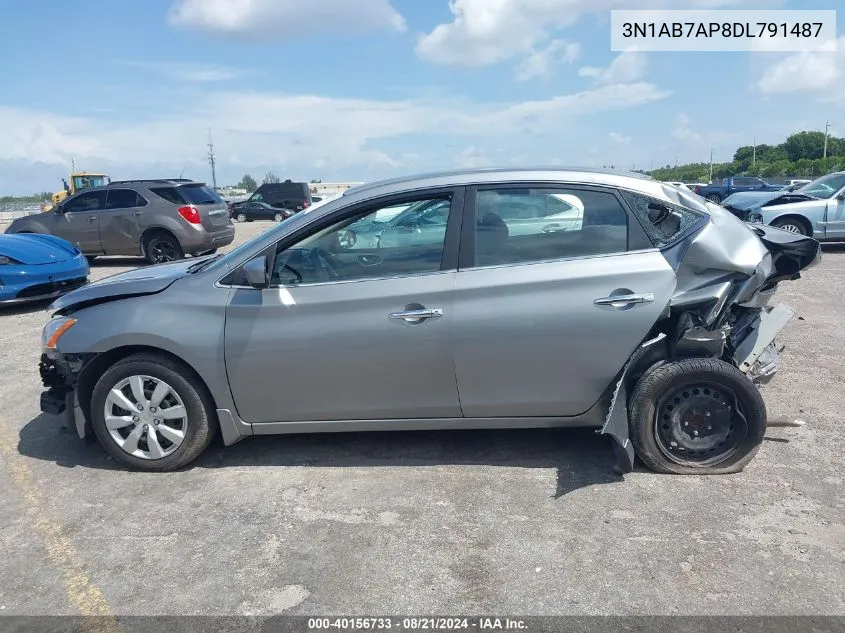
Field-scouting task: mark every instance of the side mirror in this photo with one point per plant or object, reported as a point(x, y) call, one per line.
point(256, 272)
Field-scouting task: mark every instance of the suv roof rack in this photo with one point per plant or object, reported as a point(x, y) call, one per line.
point(158, 180)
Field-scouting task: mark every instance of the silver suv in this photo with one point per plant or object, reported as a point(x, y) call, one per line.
point(162, 220)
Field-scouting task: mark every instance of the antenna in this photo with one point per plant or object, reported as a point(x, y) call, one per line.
point(211, 160)
point(181, 173)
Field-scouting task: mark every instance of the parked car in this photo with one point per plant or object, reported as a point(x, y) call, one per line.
point(817, 209)
point(161, 220)
point(648, 319)
point(38, 267)
point(249, 211)
point(718, 192)
point(295, 196)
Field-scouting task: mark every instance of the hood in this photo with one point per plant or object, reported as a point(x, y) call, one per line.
point(32, 248)
point(143, 281)
point(755, 200)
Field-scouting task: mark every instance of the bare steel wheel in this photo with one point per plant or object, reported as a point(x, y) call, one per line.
point(699, 424)
point(696, 416)
point(145, 417)
point(152, 412)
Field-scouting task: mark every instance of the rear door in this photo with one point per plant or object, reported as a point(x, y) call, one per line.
point(79, 221)
point(120, 232)
point(545, 319)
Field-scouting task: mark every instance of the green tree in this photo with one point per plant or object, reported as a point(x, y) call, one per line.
point(270, 177)
point(248, 183)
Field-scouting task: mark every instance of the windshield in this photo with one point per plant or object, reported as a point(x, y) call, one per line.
point(825, 187)
point(84, 182)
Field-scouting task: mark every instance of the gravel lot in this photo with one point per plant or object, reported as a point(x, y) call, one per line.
point(530, 522)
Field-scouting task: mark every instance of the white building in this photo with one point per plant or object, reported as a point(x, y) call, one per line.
point(330, 188)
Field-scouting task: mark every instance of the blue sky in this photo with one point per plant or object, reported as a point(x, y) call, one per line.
point(342, 90)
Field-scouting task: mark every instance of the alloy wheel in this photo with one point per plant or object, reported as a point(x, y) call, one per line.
point(145, 417)
point(241, 217)
point(163, 251)
point(791, 227)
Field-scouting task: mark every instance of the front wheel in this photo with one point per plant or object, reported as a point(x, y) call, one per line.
point(696, 416)
point(793, 225)
point(278, 217)
point(241, 217)
point(149, 412)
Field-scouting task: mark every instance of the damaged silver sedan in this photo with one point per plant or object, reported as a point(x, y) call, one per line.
point(473, 299)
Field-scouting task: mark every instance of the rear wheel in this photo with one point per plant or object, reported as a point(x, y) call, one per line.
point(696, 416)
point(715, 198)
point(278, 217)
point(162, 247)
point(150, 412)
point(793, 225)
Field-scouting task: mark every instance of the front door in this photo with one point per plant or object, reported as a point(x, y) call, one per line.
point(120, 232)
point(835, 226)
point(541, 325)
point(78, 221)
point(346, 331)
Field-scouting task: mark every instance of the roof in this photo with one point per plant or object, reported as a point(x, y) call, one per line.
point(164, 181)
point(582, 175)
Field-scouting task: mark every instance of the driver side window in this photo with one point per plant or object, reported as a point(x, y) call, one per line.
point(386, 241)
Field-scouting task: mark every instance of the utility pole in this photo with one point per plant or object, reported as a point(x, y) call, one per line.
point(73, 165)
point(826, 130)
point(212, 161)
point(754, 155)
point(711, 164)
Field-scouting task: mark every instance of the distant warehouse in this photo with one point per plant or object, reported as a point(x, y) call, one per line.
point(331, 188)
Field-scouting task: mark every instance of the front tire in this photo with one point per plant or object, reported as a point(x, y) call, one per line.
point(793, 225)
point(696, 416)
point(150, 412)
point(241, 217)
point(278, 217)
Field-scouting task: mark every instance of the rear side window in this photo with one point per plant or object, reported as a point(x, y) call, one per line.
point(168, 193)
point(540, 224)
point(664, 222)
point(123, 199)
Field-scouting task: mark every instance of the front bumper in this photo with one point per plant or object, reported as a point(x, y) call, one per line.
point(19, 284)
point(59, 375)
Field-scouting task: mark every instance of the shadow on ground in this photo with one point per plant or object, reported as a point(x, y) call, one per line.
point(581, 457)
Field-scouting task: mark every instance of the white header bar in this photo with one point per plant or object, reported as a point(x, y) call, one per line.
point(723, 30)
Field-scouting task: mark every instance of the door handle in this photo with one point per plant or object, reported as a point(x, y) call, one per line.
point(92, 218)
point(623, 301)
point(414, 315)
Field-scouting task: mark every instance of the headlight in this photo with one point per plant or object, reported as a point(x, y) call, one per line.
point(757, 218)
point(7, 261)
point(54, 330)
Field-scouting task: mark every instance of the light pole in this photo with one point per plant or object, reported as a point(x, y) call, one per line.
point(826, 129)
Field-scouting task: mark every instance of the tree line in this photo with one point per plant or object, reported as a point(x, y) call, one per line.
point(800, 156)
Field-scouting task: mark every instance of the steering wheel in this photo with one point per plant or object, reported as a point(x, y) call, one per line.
point(325, 261)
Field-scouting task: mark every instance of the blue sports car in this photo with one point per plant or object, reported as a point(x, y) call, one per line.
point(34, 267)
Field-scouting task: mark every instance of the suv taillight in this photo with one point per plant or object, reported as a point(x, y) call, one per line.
point(190, 213)
point(305, 204)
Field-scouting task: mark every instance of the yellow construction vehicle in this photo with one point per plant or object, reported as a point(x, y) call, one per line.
point(77, 181)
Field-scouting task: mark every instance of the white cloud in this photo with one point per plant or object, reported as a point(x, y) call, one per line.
point(682, 130)
point(626, 67)
point(293, 132)
point(285, 18)
point(822, 72)
point(485, 32)
point(618, 138)
point(470, 158)
point(188, 72)
point(541, 62)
